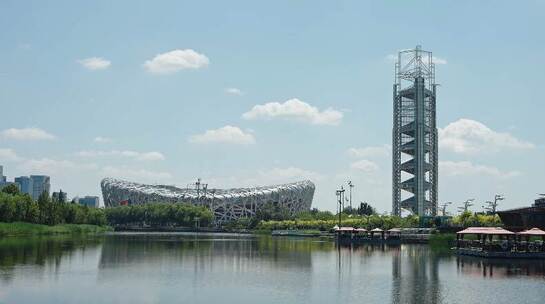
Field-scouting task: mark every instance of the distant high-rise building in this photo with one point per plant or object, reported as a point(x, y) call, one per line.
point(89, 201)
point(25, 184)
point(414, 145)
point(60, 196)
point(40, 183)
point(3, 179)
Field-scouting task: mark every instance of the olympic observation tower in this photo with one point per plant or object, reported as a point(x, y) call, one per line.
point(414, 140)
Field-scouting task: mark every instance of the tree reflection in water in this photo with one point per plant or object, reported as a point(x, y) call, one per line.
point(227, 268)
point(46, 252)
point(500, 268)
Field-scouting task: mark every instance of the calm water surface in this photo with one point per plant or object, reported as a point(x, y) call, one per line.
point(191, 268)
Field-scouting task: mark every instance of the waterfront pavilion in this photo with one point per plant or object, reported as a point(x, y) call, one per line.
point(531, 246)
point(379, 231)
point(495, 235)
point(496, 241)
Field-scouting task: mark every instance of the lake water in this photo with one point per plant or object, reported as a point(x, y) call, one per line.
point(224, 268)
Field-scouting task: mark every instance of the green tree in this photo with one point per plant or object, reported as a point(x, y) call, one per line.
point(44, 205)
point(11, 189)
point(365, 209)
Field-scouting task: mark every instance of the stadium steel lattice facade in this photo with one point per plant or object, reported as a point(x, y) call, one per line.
point(414, 144)
point(226, 204)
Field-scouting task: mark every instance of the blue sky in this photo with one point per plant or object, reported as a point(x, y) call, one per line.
point(245, 93)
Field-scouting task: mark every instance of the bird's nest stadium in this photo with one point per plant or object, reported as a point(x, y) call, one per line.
point(226, 204)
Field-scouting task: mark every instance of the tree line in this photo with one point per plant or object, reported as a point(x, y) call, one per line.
point(20, 207)
point(160, 215)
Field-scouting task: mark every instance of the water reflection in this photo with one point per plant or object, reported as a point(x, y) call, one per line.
point(46, 252)
point(208, 251)
point(163, 268)
point(416, 268)
point(498, 268)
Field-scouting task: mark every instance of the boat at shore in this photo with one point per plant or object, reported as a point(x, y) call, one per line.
point(496, 242)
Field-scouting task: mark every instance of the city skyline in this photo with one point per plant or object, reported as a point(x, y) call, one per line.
point(167, 96)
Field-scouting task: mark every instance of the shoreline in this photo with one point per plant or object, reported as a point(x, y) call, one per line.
point(15, 229)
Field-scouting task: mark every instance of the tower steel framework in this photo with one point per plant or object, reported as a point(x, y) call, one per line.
point(414, 142)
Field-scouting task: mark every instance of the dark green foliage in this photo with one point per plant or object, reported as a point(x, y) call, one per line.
point(160, 214)
point(242, 224)
point(365, 209)
point(11, 189)
point(21, 208)
point(272, 211)
point(315, 214)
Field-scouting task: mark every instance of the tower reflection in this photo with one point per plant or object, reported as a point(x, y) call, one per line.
point(415, 275)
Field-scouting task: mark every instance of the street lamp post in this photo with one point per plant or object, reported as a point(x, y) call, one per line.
point(468, 203)
point(340, 196)
point(351, 186)
point(444, 208)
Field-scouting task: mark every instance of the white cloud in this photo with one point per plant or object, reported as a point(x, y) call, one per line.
point(140, 156)
point(284, 175)
point(102, 140)
point(365, 166)
point(176, 60)
point(234, 91)
point(26, 134)
point(470, 136)
point(264, 177)
point(465, 168)
point(141, 175)
point(297, 110)
point(95, 63)
point(227, 135)
point(373, 151)
point(51, 166)
point(438, 60)
point(8, 155)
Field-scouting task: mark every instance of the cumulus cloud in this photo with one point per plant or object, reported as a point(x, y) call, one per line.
point(9, 155)
point(373, 151)
point(289, 174)
point(26, 134)
point(438, 60)
point(365, 166)
point(225, 135)
point(465, 168)
point(297, 110)
point(470, 136)
point(95, 63)
point(262, 177)
point(176, 60)
point(53, 166)
point(140, 156)
point(102, 140)
point(234, 91)
point(142, 175)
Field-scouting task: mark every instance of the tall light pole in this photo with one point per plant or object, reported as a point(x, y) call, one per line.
point(466, 205)
point(340, 196)
point(444, 208)
point(493, 205)
point(351, 186)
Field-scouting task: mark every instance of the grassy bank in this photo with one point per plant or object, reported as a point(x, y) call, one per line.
point(442, 240)
point(28, 229)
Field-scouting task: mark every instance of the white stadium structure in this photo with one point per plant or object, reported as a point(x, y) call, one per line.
point(226, 204)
